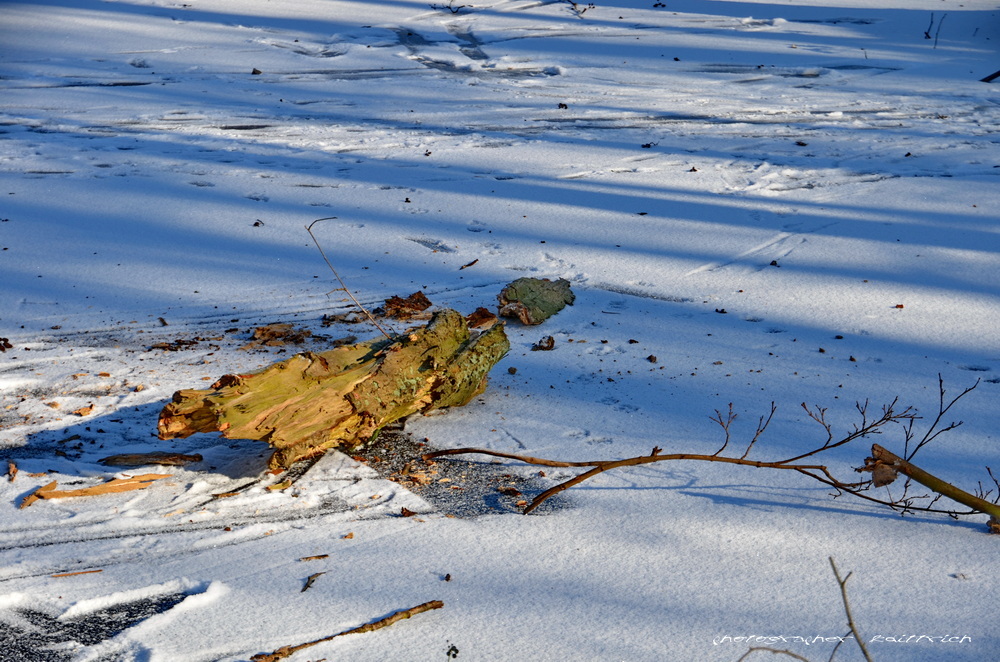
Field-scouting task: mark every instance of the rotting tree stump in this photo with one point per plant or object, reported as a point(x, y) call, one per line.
point(341, 398)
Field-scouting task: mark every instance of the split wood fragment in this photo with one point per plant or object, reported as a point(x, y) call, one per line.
point(341, 398)
point(286, 651)
point(310, 580)
point(110, 487)
point(74, 574)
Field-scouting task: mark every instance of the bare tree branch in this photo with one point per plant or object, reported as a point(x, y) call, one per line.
point(932, 431)
point(847, 609)
point(724, 424)
point(343, 285)
point(776, 651)
point(883, 466)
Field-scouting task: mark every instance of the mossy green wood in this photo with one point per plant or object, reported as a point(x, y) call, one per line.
point(534, 300)
point(340, 398)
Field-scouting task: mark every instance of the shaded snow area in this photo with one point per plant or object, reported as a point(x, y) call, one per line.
point(754, 202)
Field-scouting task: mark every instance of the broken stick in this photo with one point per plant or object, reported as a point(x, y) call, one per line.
point(403, 614)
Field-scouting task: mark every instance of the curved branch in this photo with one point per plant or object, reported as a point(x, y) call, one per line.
point(883, 464)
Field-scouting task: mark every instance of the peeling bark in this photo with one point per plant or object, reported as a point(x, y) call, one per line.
point(341, 398)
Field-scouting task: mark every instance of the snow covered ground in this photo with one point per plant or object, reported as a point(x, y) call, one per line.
point(781, 201)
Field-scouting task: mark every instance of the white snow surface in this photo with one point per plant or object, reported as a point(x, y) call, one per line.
point(785, 201)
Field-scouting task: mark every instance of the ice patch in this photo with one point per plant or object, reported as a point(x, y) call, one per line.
point(90, 605)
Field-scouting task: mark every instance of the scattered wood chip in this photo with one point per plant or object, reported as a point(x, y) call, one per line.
point(317, 557)
point(350, 317)
point(466, 266)
point(406, 512)
point(158, 457)
point(11, 470)
point(110, 487)
point(84, 411)
point(5, 345)
point(176, 345)
point(347, 536)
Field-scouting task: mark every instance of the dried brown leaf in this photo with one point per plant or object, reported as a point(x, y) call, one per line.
point(277, 335)
point(400, 308)
point(481, 317)
point(883, 474)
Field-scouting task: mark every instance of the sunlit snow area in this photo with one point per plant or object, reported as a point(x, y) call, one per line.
point(789, 202)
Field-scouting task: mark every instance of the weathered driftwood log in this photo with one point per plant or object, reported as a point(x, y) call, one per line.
point(341, 398)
